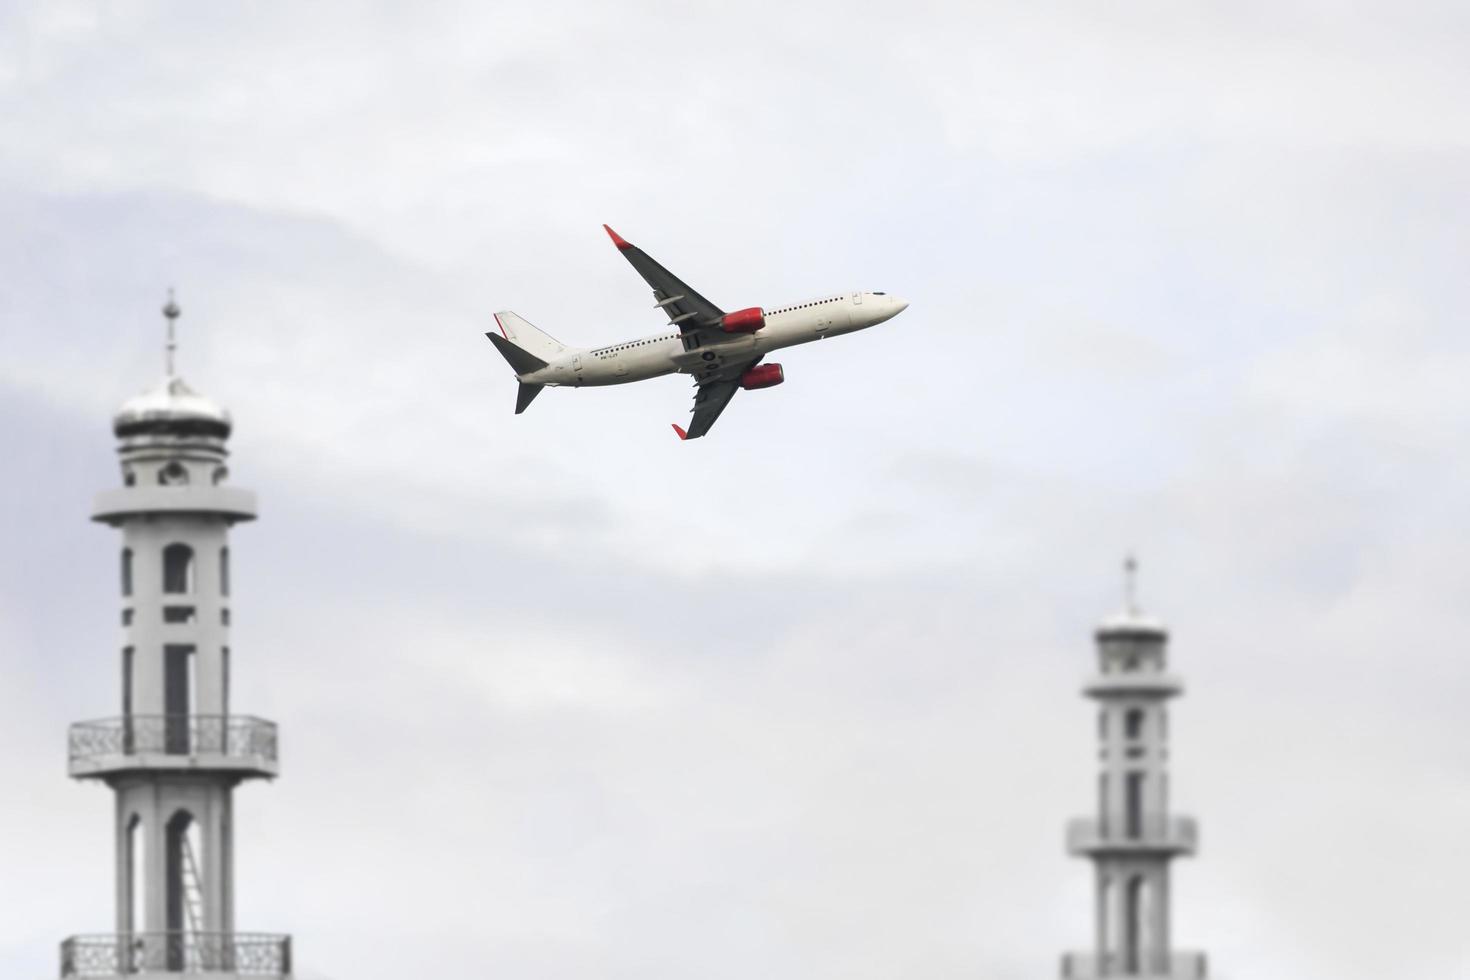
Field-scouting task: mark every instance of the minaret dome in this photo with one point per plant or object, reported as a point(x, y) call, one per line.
point(171, 435)
point(171, 408)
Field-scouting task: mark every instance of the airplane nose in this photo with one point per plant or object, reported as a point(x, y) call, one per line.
point(899, 305)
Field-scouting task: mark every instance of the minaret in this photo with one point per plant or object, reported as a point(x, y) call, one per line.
point(175, 754)
point(1133, 837)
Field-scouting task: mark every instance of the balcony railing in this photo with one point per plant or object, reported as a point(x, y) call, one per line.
point(231, 736)
point(1158, 966)
point(245, 954)
point(1150, 833)
point(1134, 682)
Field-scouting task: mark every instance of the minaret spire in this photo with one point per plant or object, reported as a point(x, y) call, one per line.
point(1130, 584)
point(171, 313)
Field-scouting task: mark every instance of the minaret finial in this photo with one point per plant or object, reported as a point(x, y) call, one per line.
point(1130, 584)
point(171, 313)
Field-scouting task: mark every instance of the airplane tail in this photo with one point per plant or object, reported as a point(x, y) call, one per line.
point(526, 350)
point(527, 337)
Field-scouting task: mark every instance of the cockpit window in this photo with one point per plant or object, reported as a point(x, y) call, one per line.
point(879, 292)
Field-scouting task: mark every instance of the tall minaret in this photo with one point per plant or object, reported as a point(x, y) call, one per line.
point(1133, 837)
point(176, 752)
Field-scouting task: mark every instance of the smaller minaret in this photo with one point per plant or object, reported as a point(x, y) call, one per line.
point(1133, 838)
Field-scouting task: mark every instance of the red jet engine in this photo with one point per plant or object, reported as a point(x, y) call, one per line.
point(743, 321)
point(764, 376)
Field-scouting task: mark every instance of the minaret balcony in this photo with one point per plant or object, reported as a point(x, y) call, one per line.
point(1154, 966)
point(1134, 683)
point(233, 503)
point(1151, 835)
point(165, 955)
point(215, 743)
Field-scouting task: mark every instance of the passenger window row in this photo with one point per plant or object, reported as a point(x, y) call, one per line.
point(637, 343)
point(802, 306)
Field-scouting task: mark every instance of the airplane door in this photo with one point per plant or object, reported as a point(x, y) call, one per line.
point(823, 314)
point(576, 362)
point(857, 299)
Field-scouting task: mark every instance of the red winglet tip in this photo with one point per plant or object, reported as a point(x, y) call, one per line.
point(681, 433)
point(617, 239)
point(501, 326)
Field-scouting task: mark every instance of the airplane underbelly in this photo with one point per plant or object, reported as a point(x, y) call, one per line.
point(787, 334)
point(651, 368)
point(746, 345)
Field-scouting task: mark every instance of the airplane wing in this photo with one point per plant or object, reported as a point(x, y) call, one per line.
point(686, 309)
point(713, 392)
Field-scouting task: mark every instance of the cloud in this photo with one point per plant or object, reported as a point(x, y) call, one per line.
point(563, 696)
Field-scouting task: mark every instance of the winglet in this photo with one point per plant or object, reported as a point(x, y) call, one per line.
point(501, 326)
point(681, 433)
point(617, 239)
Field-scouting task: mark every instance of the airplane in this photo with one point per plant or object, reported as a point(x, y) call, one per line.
point(721, 351)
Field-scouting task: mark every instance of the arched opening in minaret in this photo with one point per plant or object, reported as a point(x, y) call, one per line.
point(1132, 924)
point(178, 697)
point(134, 844)
point(1133, 804)
point(173, 475)
point(127, 700)
point(127, 572)
point(224, 571)
point(178, 569)
point(1133, 724)
point(184, 891)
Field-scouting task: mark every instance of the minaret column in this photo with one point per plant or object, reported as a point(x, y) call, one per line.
point(154, 866)
point(1159, 926)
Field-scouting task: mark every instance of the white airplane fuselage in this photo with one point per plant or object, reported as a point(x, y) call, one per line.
point(665, 353)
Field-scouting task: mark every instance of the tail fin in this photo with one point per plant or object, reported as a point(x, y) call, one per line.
point(527, 337)
point(526, 394)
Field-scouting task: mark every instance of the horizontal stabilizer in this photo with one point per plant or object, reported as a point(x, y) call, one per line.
point(521, 361)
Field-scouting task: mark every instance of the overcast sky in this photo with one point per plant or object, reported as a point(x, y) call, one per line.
point(562, 697)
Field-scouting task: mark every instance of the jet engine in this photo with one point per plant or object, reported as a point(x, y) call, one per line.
point(743, 321)
point(762, 376)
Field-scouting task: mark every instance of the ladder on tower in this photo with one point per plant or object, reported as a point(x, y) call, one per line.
point(192, 939)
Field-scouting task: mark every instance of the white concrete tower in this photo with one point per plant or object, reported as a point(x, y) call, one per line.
point(176, 752)
point(1133, 837)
